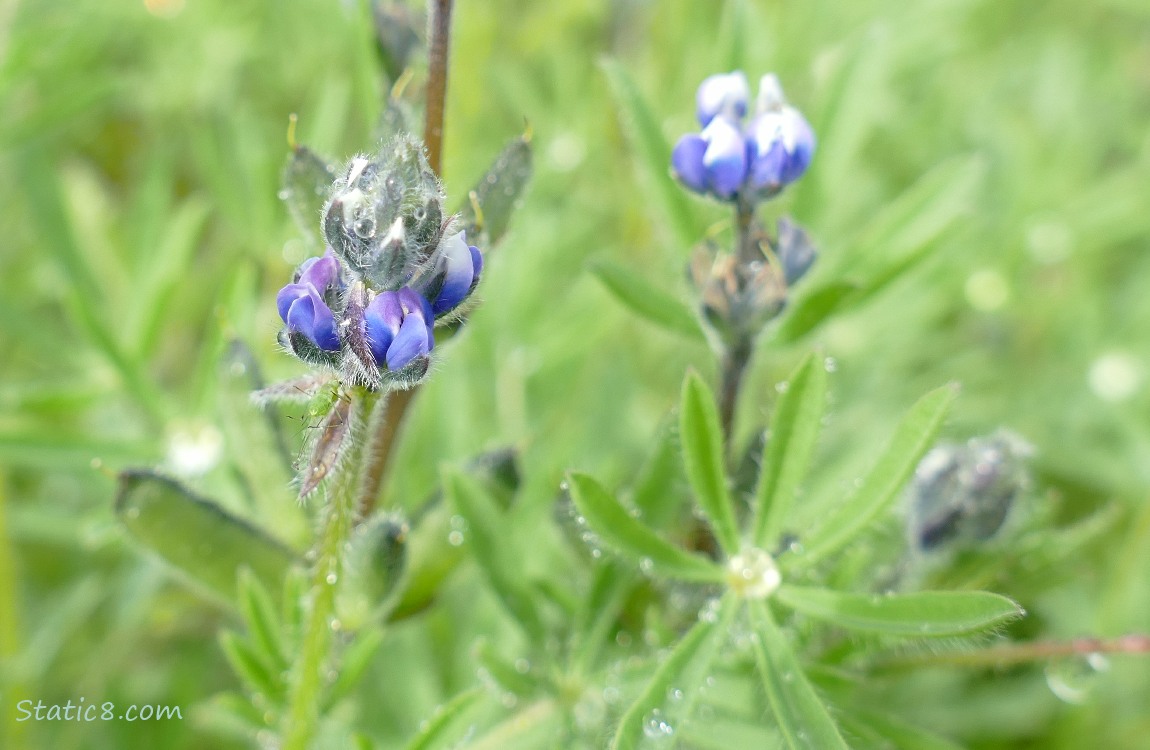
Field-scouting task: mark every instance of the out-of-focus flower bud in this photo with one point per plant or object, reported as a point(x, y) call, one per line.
point(795, 251)
point(736, 161)
point(714, 162)
point(722, 94)
point(961, 494)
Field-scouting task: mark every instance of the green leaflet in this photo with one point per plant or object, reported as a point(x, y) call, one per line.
point(702, 442)
point(648, 301)
point(882, 485)
point(198, 538)
point(497, 193)
point(919, 614)
point(654, 155)
point(613, 523)
point(794, 431)
point(800, 713)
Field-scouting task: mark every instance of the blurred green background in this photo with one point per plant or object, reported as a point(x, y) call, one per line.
point(140, 151)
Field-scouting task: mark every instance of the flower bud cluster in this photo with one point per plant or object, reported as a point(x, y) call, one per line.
point(733, 160)
point(392, 270)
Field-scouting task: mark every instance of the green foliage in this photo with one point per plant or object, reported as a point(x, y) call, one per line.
point(977, 199)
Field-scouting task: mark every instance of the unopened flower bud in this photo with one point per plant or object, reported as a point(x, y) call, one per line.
point(722, 94)
point(713, 162)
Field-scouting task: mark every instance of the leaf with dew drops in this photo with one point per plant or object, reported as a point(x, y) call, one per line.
point(494, 198)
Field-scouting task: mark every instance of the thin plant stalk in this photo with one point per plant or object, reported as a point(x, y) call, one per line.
point(1010, 654)
point(308, 676)
point(386, 430)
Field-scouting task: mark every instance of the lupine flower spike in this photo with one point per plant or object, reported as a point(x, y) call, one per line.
point(732, 160)
point(393, 269)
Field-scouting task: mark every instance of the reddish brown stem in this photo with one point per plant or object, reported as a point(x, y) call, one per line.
point(1018, 653)
point(390, 422)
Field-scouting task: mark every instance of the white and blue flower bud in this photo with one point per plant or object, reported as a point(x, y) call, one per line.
point(780, 141)
point(714, 162)
point(723, 94)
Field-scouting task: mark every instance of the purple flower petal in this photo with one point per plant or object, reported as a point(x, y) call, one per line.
point(725, 158)
point(309, 315)
point(381, 322)
point(321, 273)
point(687, 162)
point(476, 261)
point(286, 296)
point(411, 342)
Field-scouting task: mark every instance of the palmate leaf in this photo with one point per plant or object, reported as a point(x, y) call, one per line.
point(799, 712)
point(794, 430)
point(647, 300)
point(197, 537)
point(621, 530)
point(702, 443)
point(490, 203)
point(882, 485)
point(919, 614)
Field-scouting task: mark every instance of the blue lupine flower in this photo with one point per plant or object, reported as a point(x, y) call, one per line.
point(732, 161)
point(713, 162)
point(399, 328)
point(456, 273)
point(722, 94)
point(301, 304)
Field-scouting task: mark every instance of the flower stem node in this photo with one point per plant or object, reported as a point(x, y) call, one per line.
point(737, 161)
point(753, 574)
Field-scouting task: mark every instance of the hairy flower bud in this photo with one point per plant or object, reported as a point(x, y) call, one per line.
point(385, 215)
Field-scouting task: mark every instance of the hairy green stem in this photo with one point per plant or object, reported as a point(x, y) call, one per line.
point(308, 675)
point(386, 429)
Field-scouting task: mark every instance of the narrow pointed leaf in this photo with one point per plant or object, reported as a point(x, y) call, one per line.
point(630, 536)
point(647, 300)
point(610, 587)
point(693, 654)
point(812, 308)
point(487, 537)
point(498, 193)
point(701, 439)
point(396, 35)
point(919, 614)
point(307, 178)
point(654, 156)
point(503, 672)
point(794, 430)
point(882, 485)
point(660, 486)
point(354, 662)
point(261, 618)
point(198, 538)
point(799, 712)
point(250, 666)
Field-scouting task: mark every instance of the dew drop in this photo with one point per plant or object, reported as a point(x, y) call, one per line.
point(455, 538)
